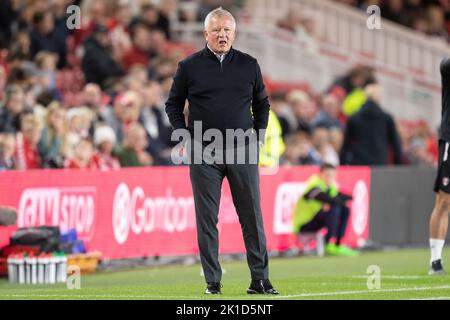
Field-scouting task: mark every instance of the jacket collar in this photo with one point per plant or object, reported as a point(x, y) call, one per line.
point(209, 53)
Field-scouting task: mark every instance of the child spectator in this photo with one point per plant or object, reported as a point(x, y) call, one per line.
point(83, 156)
point(308, 155)
point(292, 151)
point(321, 142)
point(79, 122)
point(7, 152)
point(46, 64)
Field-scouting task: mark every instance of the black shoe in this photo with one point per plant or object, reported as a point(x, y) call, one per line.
point(213, 288)
point(261, 287)
point(436, 268)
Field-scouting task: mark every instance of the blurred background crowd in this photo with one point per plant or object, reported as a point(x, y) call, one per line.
point(93, 97)
point(431, 17)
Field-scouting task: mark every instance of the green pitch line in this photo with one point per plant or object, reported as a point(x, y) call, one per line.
point(403, 276)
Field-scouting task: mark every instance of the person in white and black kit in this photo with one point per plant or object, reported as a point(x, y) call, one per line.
point(225, 90)
point(439, 216)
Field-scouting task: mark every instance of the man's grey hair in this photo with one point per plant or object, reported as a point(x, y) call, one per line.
point(219, 12)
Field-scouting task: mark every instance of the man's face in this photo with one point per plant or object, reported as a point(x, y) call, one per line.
point(47, 24)
point(330, 105)
point(139, 139)
point(84, 151)
point(220, 34)
point(16, 103)
point(103, 38)
point(320, 137)
point(8, 146)
point(303, 110)
point(92, 95)
point(142, 39)
point(329, 176)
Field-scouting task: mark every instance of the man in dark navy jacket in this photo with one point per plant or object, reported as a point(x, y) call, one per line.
point(225, 90)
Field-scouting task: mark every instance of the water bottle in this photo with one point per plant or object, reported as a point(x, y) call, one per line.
point(63, 267)
point(12, 269)
point(27, 270)
point(46, 263)
point(33, 269)
point(59, 267)
point(21, 267)
point(41, 269)
point(52, 260)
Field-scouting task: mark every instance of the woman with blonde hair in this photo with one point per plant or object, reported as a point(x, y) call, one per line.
point(53, 145)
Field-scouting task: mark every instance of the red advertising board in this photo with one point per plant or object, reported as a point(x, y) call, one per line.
point(150, 211)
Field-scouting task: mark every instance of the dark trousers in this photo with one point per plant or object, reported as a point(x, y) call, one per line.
point(334, 220)
point(243, 179)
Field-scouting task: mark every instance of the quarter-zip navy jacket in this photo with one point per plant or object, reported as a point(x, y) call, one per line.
point(227, 95)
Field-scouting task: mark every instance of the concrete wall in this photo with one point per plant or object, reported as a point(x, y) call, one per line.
point(401, 202)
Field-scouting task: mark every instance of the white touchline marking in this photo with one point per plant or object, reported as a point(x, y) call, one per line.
point(433, 298)
point(92, 296)
point(394, 277)
point(337, 293)
point(313, 294)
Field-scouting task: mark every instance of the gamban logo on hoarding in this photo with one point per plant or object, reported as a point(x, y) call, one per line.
point(285, 200)
point(137, 213)
point(64, 207)
point(360, 208)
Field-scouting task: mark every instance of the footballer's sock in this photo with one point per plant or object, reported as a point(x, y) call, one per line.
point(436, 246)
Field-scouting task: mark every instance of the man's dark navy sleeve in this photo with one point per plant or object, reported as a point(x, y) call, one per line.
point(394, 140)
point(260, 102)
point(177, 98)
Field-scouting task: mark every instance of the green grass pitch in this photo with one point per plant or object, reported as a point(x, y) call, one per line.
point(403, 276)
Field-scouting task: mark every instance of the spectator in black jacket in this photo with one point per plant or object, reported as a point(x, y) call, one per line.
point(98, 63)
point(152, 119)
point(43, 36)
point(153, 18)
point(370, 133)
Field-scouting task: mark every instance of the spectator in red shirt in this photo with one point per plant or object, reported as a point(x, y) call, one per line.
point(27, 139)
point(118, 24)
point(139, 53)
point(83, 156)
point(92, 12)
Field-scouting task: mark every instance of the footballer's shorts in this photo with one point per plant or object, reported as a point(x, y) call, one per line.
point(442, 182)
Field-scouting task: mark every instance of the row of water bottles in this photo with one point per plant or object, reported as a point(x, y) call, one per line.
point(46, 268)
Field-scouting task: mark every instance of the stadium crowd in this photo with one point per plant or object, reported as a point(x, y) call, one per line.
point(431, 17)
point(93, 97)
